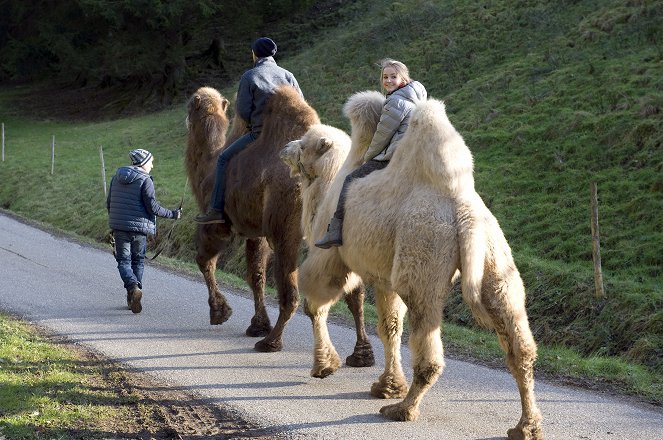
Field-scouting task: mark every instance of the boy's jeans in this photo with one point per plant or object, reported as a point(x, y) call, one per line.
point(130, 250)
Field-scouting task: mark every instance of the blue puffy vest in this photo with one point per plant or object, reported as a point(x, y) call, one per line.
point(126, 210)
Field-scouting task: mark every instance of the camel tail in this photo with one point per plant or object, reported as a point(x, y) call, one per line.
point(472, 237)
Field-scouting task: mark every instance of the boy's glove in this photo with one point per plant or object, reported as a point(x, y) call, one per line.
point(177, 213)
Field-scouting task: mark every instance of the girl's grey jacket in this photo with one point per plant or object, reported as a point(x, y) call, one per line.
point(132, 204)
point(394, 120)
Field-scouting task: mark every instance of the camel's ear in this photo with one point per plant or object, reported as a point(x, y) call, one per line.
point(224, 104)
point(323, 145)
point(196, 101)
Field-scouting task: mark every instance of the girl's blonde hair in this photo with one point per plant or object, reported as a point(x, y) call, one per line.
point(399, 67)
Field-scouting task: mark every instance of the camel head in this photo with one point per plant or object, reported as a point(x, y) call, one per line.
point(205, 102)
point(319, 153)
point(206, 123)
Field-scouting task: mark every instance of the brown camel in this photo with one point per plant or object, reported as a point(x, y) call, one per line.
point(408, 230)
point(264, 206)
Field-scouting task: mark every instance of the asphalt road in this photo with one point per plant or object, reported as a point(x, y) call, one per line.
point(75, 290)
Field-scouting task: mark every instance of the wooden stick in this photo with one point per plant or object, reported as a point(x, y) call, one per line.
point(103, 168)
point(3, 141)
point(53, 154)
point(596, 246)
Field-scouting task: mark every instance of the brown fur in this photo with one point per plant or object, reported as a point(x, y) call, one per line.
point(408, 230)
point(263, 204)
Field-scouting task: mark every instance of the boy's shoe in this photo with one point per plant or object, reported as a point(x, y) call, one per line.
point(133, 299)
point(211, 216)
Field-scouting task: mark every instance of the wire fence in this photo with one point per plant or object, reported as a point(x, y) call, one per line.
point(53, 155)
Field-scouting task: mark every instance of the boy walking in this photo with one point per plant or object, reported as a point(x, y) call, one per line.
point(132, 212)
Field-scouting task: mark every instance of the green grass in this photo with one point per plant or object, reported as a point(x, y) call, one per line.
point(550, 96)
point(47, 390)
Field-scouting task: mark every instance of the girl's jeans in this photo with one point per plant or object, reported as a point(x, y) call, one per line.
point(130, 250)
point(363, 171)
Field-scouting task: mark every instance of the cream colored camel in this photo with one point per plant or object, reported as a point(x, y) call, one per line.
point(408, 230)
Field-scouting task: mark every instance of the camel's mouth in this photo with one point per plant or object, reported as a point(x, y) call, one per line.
point(290, 155)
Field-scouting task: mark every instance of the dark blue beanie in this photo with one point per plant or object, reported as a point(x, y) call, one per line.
point(264, 47)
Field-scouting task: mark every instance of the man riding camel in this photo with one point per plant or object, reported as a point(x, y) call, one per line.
point(255, 87)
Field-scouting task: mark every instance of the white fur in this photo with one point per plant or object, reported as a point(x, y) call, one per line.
point(408, 229)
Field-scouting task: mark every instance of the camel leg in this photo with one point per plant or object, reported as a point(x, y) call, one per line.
point(285, 274)
point(520, 360)
point(518, 344)
point(257, 253)
point(363, 352)
point(321, 292)
point(427, 354)
point(207, 255)
point(325, 357)
point(392, 383)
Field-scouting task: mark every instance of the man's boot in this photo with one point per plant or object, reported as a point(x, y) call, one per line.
point(334, 235)
point(211, 216)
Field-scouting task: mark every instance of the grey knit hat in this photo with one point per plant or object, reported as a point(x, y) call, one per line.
point(264, 47)
point(139, 157)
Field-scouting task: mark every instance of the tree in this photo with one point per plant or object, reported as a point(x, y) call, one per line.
point(143, 46)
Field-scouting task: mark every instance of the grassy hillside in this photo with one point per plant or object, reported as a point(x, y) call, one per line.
point(550, 96)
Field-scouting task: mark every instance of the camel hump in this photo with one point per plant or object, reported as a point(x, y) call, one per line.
point(287, 115)
point(364, 106)
point(285, 94)
point(433, 151)
point(287, 99)
point(363, 109)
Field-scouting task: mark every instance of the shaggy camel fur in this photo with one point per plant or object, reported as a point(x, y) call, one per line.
point(263, 204)
point(409, 229)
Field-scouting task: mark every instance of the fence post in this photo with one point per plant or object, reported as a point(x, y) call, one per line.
point(3, 141)
point(103, 167)
point(596, 246)
point(53, 154)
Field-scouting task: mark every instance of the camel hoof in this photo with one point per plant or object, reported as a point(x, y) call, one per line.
point(326, 368)
point(389, 387)
point(528, 432)
point(322, 373)
point(258, 330)
point(399, 413)
point(362, 356)
point(219, 316)
point(268, 347)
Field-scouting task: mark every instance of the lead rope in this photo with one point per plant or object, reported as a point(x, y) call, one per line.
point(174, 223)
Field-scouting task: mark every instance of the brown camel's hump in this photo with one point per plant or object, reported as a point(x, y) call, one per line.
point(287, 117)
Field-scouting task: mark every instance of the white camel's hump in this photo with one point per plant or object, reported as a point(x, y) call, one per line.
point(433, 151)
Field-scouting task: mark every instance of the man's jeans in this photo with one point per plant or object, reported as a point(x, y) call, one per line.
point(130, 250)
point(219, 194)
